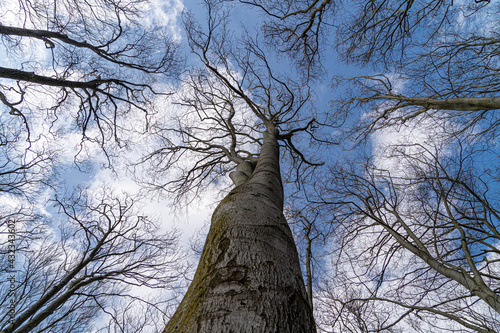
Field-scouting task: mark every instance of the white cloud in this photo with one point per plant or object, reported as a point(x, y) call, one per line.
point(394, 146)
point(166, 13)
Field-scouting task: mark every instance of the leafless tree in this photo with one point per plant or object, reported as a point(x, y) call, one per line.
point(78, 66)
point(79, 270)
point(238, 111)
point(89, 61)
point(20, 173)
point(443, 59)
point(225, 106)
point(421, 239)
point(311, 234)
point(298, 28)
point(444, 53)
point(372, 103)
point(363, 31)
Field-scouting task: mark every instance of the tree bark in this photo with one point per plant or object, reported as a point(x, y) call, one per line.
point(458, 103)
point(15, 74)
point(248, 279)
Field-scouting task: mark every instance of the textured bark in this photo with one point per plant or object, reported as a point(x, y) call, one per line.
point(248, 279)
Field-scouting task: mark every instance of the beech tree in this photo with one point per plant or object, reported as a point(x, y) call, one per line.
point(415, 239)
point(103, 248)
point(448, 70)
point(238, 111)
point(364, 32)
point(82, 68)
point(420, 239)
point(440, 73)
point(91, 57)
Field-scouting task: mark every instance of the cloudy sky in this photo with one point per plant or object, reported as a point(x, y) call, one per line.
point(78, 164)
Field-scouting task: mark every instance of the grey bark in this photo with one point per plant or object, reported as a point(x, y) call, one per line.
point(472, 282)
point(243, 173)
point(458, 103)
point(15, 74)
point(248, 279)
point(309, 266)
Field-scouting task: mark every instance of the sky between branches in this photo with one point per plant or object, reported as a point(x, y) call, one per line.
point(85, 165)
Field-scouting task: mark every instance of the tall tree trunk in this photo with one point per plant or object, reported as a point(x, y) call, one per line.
point(248, 279)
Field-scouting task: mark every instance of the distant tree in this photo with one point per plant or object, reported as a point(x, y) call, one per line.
point(423, 237)
point(310, 233)
point(90, 69)
point(89, 61)
point(78, 271)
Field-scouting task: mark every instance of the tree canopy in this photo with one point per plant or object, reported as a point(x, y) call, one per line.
point(388, 177)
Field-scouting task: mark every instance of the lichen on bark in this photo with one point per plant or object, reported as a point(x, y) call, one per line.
point(248, 278)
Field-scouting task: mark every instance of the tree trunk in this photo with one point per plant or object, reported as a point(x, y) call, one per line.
point(248, 279)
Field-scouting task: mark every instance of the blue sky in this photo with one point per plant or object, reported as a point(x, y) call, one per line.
point(192, 217)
